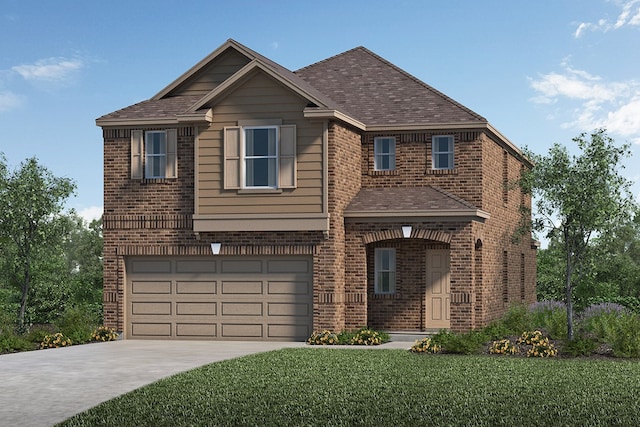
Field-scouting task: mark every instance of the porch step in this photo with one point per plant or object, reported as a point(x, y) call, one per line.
point(411, 336)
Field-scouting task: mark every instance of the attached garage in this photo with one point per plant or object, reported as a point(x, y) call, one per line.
point(225, 298)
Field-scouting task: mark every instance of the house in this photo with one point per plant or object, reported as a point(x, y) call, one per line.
point(245, 201)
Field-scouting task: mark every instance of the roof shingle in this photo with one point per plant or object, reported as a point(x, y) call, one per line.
point(408, 199)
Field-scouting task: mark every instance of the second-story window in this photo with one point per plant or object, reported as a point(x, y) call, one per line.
point(384, 153)
point(261, 155)
point(154, 154)
point(442, 152)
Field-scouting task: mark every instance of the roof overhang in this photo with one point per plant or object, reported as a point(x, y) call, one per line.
point(201, 116)
point(429, 215)
point(324, 113)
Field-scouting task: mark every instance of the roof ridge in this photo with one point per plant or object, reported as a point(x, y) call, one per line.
point(422, 83)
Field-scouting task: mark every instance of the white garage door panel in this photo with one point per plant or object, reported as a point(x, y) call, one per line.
point(241, 298)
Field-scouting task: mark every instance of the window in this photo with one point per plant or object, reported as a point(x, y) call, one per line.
point(442, 152)
point(259, 157)
point(384, 153)
point(155, 144)
point(154, 154)
point(385, 271)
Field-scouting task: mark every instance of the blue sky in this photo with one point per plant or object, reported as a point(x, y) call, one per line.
point(540, 72)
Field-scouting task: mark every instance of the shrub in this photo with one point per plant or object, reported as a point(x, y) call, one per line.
point(623, 335)
point(325, 337)
point(465, 343)
point(504, 346)
point(550, 316)
point(366, 336)
point(102, 334)
point(12, 343)
point(56, 340)
point(579, 346)
point(599, 319)
point(516, 320)
point(540, 345)
point(425, 345)
point(77, 324)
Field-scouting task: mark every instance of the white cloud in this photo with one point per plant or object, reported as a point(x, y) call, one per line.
point(629, 16)
point(594, 102)
point(90, 213)
point(9, 101)
point(49, 70)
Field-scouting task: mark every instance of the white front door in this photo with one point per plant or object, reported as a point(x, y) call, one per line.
point(438, 293)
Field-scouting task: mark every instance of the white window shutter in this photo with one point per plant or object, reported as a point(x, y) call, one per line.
point(287, 170)
point(172, 154)
point(136, 154)
point(232, 157)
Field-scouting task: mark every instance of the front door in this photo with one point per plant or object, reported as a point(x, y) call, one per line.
point(438, 293)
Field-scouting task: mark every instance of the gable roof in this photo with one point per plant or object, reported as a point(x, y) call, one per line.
point(378, 93)
point(357, 87)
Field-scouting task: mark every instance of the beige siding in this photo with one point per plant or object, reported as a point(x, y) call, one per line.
point(260, 98)
point(207, 79)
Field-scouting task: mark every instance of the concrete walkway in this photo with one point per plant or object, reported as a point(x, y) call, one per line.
point(45, 387)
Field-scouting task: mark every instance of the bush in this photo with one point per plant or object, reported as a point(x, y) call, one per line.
point(78, 324)
point(516, 320)
point(363, 336)
point(504, 346)
point(56, 340)
point(623, 335)
point(580, 346)
point(12, 343)
point(599, 319)
point(550, 316)
point(426, 345)
point(367, 336)
point(102, 334)
point(465, 343)
point(540, 345)
point(325, 337)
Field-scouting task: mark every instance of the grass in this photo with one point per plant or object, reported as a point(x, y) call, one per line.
point(350, 387)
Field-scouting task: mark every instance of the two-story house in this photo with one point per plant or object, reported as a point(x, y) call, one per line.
point(246, 201)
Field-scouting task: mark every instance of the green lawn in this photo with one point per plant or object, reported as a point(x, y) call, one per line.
point(317, 386)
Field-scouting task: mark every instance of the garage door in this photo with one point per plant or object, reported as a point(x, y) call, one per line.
point(224, 298)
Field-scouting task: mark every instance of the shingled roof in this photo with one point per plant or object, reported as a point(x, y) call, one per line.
point(357, 85)
point(376, 92)
point(409, 201)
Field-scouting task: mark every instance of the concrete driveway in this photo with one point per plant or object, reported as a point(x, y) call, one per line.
point(44, 387)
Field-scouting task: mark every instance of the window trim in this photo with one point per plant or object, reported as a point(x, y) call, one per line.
point(378, 253)
point(450, 152)
point(391, 155)
point(244, 158)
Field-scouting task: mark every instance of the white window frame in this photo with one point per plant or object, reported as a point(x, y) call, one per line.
point(435, 154)
point(245, 157)
point(379, 155)
point(148, 163)
point(379, 255)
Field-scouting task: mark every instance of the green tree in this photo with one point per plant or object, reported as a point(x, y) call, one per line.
point(576, 199)
point(31, 203)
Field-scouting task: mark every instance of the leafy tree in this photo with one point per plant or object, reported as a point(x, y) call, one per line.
point(31, 202)
point(577, 198)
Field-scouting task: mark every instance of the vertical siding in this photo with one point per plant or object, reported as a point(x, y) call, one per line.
point(260, 97)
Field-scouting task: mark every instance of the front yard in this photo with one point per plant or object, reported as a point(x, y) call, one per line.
point(329, 386)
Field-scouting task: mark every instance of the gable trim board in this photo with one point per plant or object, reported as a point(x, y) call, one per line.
point(330, 213)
